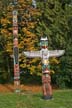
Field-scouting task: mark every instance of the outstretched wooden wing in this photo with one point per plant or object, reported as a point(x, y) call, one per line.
point(52, 53)
point(56, 53)
point(32, 54)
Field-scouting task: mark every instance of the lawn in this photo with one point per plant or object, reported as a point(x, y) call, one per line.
point(61, 99)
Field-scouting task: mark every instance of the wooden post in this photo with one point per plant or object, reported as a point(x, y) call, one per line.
point(15, 53)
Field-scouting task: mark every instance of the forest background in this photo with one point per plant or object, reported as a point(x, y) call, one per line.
point(51, 18)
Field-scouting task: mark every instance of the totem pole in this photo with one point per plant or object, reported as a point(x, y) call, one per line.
point(15, 55)
point(45, 54)
point(15, 50)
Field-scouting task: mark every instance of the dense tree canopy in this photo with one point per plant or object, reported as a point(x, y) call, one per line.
point(51, 18)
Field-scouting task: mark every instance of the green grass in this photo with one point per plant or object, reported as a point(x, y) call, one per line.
point(61, 99)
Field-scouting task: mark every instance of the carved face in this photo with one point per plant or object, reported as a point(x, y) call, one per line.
point(44, 42)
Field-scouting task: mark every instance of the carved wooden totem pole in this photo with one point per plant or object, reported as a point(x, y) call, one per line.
point(15, 50)
point(45, 54)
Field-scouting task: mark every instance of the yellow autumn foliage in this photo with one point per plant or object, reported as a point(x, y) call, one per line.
point(22, 65)
point(32, 69)
point(26, 35)
point(4, 31)
point(55, 60)
point(3, 20)
point(20, 1)
point(52, 71)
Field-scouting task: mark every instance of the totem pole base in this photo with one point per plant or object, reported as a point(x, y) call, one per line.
point(17, 87)
point(47, 97)
point(46, 86)
point(17, 91)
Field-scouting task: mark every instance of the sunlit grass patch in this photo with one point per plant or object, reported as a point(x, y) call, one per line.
point(61, 99)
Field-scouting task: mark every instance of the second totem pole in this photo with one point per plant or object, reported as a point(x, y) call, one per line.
point(45, 54)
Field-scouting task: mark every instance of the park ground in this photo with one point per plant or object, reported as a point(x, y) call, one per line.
point(7, 88)
point(31, 97)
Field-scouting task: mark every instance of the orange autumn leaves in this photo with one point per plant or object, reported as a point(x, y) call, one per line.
point(26, 33)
